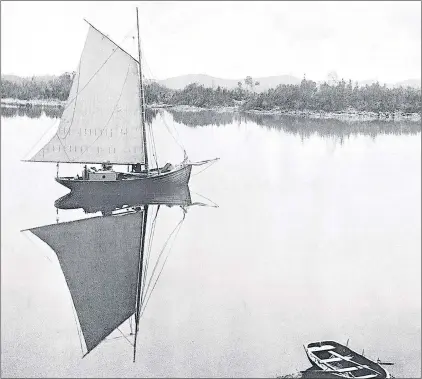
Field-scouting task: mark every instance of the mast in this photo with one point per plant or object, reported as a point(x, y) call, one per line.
point(140, 272)
point(142, 99)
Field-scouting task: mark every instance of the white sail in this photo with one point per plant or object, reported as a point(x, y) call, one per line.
point(99, 258)
point(102, 119)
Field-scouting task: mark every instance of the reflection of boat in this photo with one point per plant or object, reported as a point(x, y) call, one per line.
point(338, 360)
point(107, 201)
point(104, 122)
point(106, 263)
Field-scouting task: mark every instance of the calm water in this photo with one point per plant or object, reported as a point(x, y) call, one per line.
point(317, 236)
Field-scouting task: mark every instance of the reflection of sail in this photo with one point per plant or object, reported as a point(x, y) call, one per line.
point(108, 201)
point(107, 261)
point(101, 269)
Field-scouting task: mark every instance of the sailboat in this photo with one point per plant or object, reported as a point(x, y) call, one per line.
point(106, 261)
point(104, 123)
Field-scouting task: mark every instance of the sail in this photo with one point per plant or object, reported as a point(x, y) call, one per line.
point(99, 258)
point(102, 119)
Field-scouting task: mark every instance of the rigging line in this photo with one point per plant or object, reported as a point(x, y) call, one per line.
point(77, 91)
point(162, 251)
point(206, 167)
point(29, 239)
point(77, 326)
point(155, 79)
point(130, 325)
point(168, 129)
point(160, 255)
point(162, 267)
point(127, 339)
point(76, 99)
point(215, 204)
point(112, 113)
point(146, 260)
point(149, 249)
point(153, 147)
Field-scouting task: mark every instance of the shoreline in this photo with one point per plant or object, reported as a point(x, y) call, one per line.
point(347, 115)
point(17, 103)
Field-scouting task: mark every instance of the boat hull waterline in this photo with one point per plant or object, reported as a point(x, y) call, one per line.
point(179, 176)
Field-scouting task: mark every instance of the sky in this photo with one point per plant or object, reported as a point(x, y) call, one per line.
point(357, 40)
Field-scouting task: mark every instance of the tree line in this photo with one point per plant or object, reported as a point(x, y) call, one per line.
point(330, 97)
point(57, 88)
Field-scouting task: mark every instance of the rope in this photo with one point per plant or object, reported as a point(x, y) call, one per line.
point(77, 93)
point(176, 230)
point(77, 325)
point(164, 121)
point(206, 198)
point(130, 343)
point(130, 325)
point(149, 251)
point(45, 256)
point(154, 150)
point(206, 167)
point(175, 139)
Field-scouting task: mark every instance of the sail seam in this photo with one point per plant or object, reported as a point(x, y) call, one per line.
point(112, 113)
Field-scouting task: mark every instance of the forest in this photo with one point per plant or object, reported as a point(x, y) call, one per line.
point(330, 97)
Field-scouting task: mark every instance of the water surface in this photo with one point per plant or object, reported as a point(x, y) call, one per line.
point(317, 236)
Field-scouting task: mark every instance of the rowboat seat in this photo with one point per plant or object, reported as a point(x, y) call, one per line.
point(347, 369)
point(329, 360)
point(321, 348)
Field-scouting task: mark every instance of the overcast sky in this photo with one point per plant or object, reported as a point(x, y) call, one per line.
point(358, 40)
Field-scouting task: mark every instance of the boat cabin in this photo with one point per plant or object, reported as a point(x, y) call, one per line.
point(102, 175)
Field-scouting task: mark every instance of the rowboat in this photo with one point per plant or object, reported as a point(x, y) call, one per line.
point(338, 360)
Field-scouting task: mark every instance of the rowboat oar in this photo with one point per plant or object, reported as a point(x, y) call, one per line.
point(384, 363)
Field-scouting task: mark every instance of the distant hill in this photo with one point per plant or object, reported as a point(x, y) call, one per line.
point(415, 83)
point(180, 82)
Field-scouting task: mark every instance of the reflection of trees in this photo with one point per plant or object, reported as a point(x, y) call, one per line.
point(36, 111)
point(150, 115)
point(53, 112)
point(202, 117)
point(9, 112)
point(31, 112)
point(304, 127)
